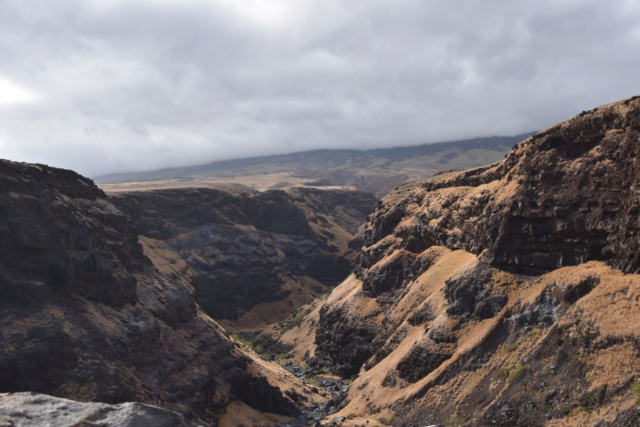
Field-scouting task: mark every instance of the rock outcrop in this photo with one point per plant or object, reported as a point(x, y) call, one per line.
point(84, 315)
point(504, 295)
point(31, 409)
point(562, 197)
point(252, 257)
point(57, 227)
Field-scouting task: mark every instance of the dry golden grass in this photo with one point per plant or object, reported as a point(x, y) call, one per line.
point(239, 414)
point(163, 257)
point(612, 307)
point(259, 182)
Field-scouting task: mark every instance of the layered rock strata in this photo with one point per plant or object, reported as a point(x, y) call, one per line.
point(562, 197)
point(252, 257)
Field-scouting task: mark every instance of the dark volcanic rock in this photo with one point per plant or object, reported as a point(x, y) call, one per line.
point(84, 315)
point(345, 343)
point(472, 293)
point(246, 247)
point(65, 238)
point(421, 361)
point(562, 197)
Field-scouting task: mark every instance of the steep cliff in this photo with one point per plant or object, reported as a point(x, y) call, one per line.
point(252, 257)
point(504, 295)
point(84, 315)
point(564, 196)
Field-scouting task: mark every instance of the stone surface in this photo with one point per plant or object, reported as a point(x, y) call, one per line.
point(58, 232)
point(31, 409)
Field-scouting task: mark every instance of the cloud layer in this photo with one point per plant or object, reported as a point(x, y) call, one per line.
point(104, 86)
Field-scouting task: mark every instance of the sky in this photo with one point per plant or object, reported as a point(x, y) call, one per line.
point(105, 86)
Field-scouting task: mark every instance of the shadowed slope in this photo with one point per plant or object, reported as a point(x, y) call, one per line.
point(84, 315)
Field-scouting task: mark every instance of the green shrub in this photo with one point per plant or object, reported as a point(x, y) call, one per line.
point(518, 372)
point(454, 421)
point(293, 322)
point(256, 347)
point(504, 373)
point(239, 339)
point(535, 333)
point(513, 347)
point(635, 389)
point(566, 410)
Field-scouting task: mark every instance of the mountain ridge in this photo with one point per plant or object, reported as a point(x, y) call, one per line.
point(376, 171)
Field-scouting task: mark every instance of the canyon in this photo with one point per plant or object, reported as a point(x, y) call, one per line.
point(252, 257)
point(503, 295)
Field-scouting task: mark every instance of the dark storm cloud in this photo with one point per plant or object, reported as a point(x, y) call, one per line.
point(108, 85)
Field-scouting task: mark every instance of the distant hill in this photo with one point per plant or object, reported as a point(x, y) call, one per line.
point(376, 171)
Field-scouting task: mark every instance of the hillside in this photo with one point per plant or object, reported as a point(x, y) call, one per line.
point(375, 171)
point(84, 315)
point(505, 295)
point(252, 257)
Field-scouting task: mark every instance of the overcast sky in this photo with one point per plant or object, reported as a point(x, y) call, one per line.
point(104, 86)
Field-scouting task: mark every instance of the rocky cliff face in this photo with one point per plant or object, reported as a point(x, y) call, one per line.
point(57, 228)
point(505, 295)
point(252, 257)
point(85, 316)
point(564, 196)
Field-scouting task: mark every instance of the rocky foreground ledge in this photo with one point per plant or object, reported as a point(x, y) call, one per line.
point(32, 409)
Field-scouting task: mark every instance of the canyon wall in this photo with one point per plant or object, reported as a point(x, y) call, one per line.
point(84, 315)
point(252, 257)
point(503, 295)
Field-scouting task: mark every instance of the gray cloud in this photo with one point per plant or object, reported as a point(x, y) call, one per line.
point(129, 85)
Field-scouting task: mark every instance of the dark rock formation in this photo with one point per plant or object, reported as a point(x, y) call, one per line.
point(564, 196)
point(471, 293)
point(245, 248)
point(84, 315)
point(58, 234)
point(421, 361)
point(346, 344)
